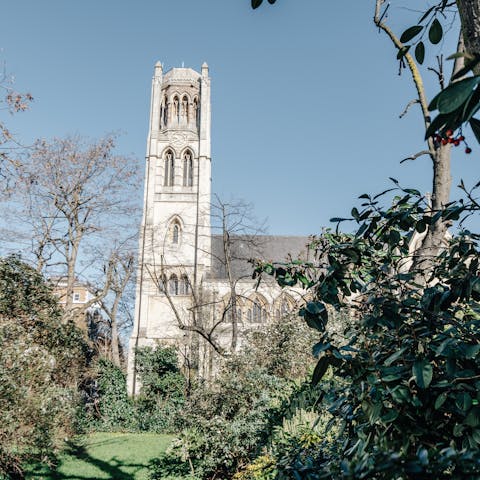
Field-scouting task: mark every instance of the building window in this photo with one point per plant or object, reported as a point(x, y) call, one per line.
point(284, 306)
point(164, 113)
point(196, 112)
point(169, 169)
point(185, 108)
point(173, 285)
point(257, 312)
point(76, 297)
point(187, 169)
point(175, 233)
point(176, 108)
point(184, 285)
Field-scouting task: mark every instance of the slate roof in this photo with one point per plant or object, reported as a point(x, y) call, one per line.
point(265, 247)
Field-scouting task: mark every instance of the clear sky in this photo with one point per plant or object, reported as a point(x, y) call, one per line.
point(306, 95)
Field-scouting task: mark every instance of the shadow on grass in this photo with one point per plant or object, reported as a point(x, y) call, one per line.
point(113, 468)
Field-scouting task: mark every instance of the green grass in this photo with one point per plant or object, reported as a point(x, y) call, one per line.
point(115, 456)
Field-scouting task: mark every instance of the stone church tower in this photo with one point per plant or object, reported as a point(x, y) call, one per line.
point(186, 280)
point(175, 237)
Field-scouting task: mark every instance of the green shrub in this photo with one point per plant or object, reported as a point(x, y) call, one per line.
point(409, 401)
point(162, 392)
point(225, 424)
point(107, 406)
point(42, 361)
point(115, 409)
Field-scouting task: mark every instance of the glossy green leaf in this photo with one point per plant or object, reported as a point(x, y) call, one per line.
point(394, 356)
point(420, 226)
point(393, 377)
point(469, 65)
point(320, 347)
point(441, 400)
point(471, 351)
point(439, 123)
point(400, 394)
point(410, 33)
point(463, 401)
point(472, 106)
point(403, 51)
point(435, 32)
point(320, 370)
point(473, 417)
point(475, 124)
point(420, 52)
point(456, 94)
point(391, 416)
point(422, 372)
point(476, 436)
point(465, 55)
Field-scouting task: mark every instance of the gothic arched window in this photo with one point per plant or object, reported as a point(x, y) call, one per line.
point(184, 285)
point(176, 108)
point(175, 233)
point(187, 169)
point(229, 305)
point(169, 169)
point(173, 286)
point(196, 112)
point(185, 108)
point(257, 310)
point(284, 306)
point(164, 113)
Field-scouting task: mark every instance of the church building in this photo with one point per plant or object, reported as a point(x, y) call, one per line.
point(195, 289)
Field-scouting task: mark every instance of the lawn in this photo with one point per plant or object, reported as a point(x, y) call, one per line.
point(115, 456)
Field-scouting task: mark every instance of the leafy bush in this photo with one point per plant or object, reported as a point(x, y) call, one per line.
point(282, 348)
point(162, 391)
point(409, 403)
point(41, 363)
point(226, 424)
point(107, 406)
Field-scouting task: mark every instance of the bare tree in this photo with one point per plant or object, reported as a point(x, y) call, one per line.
point(119, 281)
point(73, 195)
point(11, 102)
point(235, 220)
point(235, 223)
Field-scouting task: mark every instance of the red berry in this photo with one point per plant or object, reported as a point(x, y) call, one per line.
point(450, 140)
point(461, 138)
point(444, 141)
point(456, 142)
point(468, 150)
point(449, 133)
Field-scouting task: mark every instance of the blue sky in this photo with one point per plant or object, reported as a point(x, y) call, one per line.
point(306, 95)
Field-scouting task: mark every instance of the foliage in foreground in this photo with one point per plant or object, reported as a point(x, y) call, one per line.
point(109, 408)
point(41, 361)
point(229, 423)
point(409, 405)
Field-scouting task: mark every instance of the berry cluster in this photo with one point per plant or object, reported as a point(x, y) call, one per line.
point(454, 140)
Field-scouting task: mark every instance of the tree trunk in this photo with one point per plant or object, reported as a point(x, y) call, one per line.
point(231, 281)
point(442, 182)
point(114, 332)
point(469, 11)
